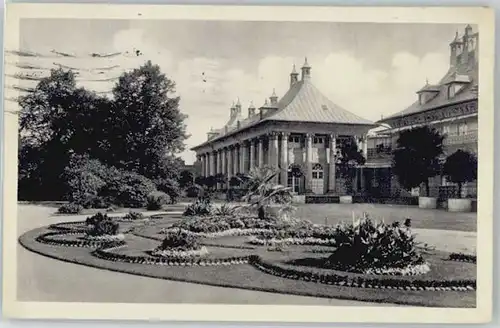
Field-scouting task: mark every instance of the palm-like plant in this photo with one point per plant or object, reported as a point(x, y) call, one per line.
point(262, 191)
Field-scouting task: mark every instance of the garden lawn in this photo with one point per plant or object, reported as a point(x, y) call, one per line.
point(420, 218)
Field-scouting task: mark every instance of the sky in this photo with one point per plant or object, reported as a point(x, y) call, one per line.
point(370, 69)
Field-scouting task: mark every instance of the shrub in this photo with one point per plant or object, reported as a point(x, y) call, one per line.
point(367, 245)
point(201, 207)
point(132, 216)
point(225, 210)
point(156, 200)
point(194, 191)
point(70, 208)
point(128, 189)
point(169, 187)
point(180, 240)
point(100, 225)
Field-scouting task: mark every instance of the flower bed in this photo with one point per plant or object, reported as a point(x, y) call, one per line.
point(107, 254)
point(175, 254)
point(79, 226)
point(118, 237)
point(218, 234)
point(334, 278)
point(290, 241)
point(51, 238)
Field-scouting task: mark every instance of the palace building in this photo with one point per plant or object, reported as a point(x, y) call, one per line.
point(451, 106)
point(302, 128)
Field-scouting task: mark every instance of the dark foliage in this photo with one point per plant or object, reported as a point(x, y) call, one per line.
point(156, 200)
point(170, 187)
point(416, 157)
point(100, 225)
point(194, 191)
point(180, 240)
point(201, 207)
point(132, 216)
point(70, 208)
point(186, 179)
point(348, 157)
point(461, 167)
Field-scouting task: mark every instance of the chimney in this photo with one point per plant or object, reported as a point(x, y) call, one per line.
point(454, 47)
point(465, 48)
point(251, 110)
point(306, 71)
point(274, 99)
point(294, 76)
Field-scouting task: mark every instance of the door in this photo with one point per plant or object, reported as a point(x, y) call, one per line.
point(317, 181)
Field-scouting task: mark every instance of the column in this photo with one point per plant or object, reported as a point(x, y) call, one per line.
point(223, 161)
point(207, 165)
point(211, 164)
point(365, 147)
point(218, 166)
point(260, 152)
point(273, 153)
point(252, 155)
point(235, 160)
point(308, 172)
point(243, 157)
point(229, 164)
point(332, 167)
point(284, 158)
point(202, 165)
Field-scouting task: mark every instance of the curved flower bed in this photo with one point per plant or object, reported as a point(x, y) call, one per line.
point(110, 238)
point(291, 241)
point(410, 270)
point(48, 238)
point(107, 254)
point(225, 233)
point(362, 282)
point(176, 254)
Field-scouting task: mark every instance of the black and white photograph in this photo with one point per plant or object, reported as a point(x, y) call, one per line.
point(249, 158)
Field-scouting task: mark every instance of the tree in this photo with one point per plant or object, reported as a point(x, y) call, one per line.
point(146, 128)
point(350, 156)
point(416, 157)
point(56, 120)
point(461, 167)
point(186, 179)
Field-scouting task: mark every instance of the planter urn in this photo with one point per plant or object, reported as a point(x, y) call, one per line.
point(345, 199)
point(459, 205)
point(427, 202)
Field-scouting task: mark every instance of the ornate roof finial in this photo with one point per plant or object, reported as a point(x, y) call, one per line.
point(274, 92)
point(238, 102)
point(426, 81)
point(251, 104)
point(306, 64)
point(294, 70)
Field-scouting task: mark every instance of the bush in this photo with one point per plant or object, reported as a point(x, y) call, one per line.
point(128, 189)
point(70, 208)
point(169, 187)
point(194, 191)
point(180, 240)
point(201, 207)
point(368, 245)
point(132, 216)
point(225, 210)
point(84, 178)
point(100, 225)
point(156, 200)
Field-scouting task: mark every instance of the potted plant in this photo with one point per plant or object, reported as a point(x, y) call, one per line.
point(460, 167)
point(268, 197)
point(349, 157)
point(416, 159)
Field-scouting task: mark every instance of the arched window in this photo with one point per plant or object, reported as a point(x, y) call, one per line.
point(317, 182)
point(317, 171)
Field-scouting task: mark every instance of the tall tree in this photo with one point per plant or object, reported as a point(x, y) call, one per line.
point(416, 157)
point(146, 128)
point(350, 157)
point(461, 167)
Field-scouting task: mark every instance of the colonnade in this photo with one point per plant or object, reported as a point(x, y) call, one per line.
point(270, 149)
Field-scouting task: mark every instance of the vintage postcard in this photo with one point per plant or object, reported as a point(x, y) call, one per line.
point(248, 163)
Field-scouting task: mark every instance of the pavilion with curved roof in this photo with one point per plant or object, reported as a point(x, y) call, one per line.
point(302, 128)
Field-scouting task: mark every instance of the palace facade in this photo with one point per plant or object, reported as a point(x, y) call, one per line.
point(451, 106)
point(302, 128)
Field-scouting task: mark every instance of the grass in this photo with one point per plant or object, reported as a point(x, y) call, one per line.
point(248, 277)
point(421, 218)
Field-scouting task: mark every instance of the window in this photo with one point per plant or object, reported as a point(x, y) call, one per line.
point(317, 171)
point(446, 129)
point(294, 139)
point(451, 91)
point(462, 128)
point(293, 181)
point(318, 140)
